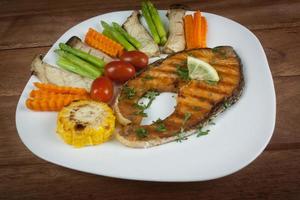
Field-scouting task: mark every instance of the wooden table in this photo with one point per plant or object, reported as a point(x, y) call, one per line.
point(32, 26)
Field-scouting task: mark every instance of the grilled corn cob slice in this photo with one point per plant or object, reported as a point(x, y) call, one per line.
point(85, 122)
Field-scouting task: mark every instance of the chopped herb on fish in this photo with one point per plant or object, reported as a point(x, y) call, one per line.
point(147, 78)
point(190, 54)
point(141, 132)
point(210, 122)
point(220, 51)
point(181, 137)
point(183, 72)
point(160, 126)
point(179, 134)
point(201, 132)
point(151, 95)
point(129, 92)
point(187, 116)
point(211, 82)
point(141, 107)
point(197, 108)
point(226, 105)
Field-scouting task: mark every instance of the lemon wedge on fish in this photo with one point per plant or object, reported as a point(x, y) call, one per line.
point(201, 70)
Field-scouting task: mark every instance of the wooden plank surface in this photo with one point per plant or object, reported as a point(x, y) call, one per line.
point(49, 27)
point(266, 178)
point(30, 27)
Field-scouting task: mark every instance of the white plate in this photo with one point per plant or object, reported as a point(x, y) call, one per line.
point(239, 136)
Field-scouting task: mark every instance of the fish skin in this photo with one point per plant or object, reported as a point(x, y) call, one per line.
point(134, 27)
point(208, 98)
point(176, 39)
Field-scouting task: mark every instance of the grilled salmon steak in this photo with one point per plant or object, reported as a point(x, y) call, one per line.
point(197, 101)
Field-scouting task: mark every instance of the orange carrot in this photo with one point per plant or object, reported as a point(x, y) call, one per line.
point(197, 29)
point(189, 31)
point(50, 97)
point(203, 32)
point(60, 89)
point(103, 43)
point(45, 94)
point(54, 103)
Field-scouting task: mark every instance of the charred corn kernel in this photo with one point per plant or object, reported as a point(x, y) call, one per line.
point(85, 122)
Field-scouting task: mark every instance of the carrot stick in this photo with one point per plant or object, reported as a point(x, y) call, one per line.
point(203, 32)
point(53, 103)
point(103, 43)
point(197, 30)
point(45, 94)
point(189, 31)
point(60, 89)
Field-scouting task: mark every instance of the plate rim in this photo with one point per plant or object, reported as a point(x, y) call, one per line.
point(121, 176)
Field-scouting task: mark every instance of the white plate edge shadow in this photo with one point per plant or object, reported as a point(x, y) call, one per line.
point(168, 180)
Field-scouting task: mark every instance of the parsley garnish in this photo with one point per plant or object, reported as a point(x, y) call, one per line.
point(141, 107)
point(190, 54)
point(151, 95)
point(211, 82)
point(160, 126)
point(221, 52)
point(129, 92)
point(197, 108)
point(210, 122)
point(187, 116)
point(180, 136)
point(201, 132)
point(183, 72)
point(147, 77)
point(141, 132)
point(226, 105)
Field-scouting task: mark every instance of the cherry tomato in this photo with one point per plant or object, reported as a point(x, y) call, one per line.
point(119, 71)
point(102, 89)
point(136, 58)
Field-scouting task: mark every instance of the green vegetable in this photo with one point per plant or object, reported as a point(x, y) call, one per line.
point(108, 34)
point(141, 107)
point(147, 78)
point(131, 39)
point(226, 105)
point(69, 66)
point(118, 36)
point(183, 72)
point(87, 67)
point(201, 132)
point(129, 92)
point(83, 55)
point(187, 116)
point(180, 137)
point(158, 23)
point(160, 126)
point(146, 14)
point(141, 132)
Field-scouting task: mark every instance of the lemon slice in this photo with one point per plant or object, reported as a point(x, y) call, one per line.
point(200, 70)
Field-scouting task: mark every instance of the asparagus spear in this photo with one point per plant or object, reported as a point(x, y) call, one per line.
point(146, 14)
point(119, 37)
point(157, 22)
point(69, 66)
point(108, 34)
point(83, 55)
point(92, 70)
point(131, 39)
